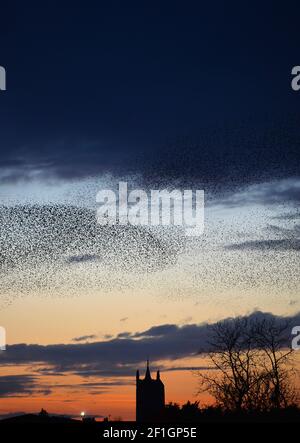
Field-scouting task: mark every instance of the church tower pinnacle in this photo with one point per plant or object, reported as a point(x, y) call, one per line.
point(148, 374)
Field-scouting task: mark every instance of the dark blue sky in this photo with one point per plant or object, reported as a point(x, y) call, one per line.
point(176, 89)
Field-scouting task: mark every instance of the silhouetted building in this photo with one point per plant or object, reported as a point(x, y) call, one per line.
point(150, 397)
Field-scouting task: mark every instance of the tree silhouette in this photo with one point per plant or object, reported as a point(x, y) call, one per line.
point(253, 362)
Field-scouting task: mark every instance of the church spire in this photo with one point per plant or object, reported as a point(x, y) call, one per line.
point(148, 375)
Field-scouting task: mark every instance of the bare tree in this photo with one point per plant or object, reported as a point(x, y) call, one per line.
point(252, 363)
point(271, 338)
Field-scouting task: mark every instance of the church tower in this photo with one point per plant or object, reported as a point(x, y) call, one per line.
point(150, 397)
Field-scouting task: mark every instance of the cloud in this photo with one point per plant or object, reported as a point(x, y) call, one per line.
point(20, 385)
point(124, 335)
point(158, 331)
point(189, 368)
point(121, 356)
point(108, 336)
point(219, 157)
point(97, 387)
point(274, 192)
point(288, 238)
point(84, 338)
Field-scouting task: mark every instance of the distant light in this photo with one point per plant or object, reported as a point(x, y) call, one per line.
point(82, 414)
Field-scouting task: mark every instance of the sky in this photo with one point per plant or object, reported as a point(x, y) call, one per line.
point(162, 95)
